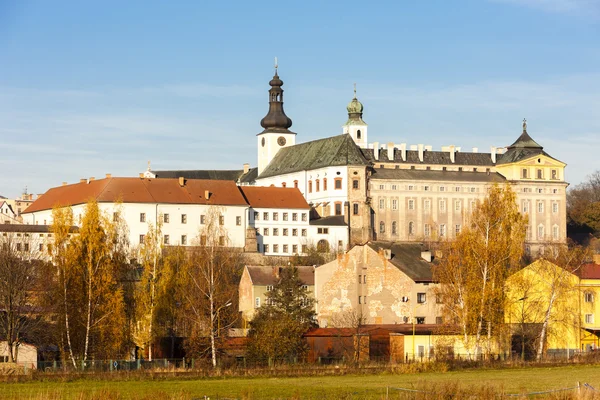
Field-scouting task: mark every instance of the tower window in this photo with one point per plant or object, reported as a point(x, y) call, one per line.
point(358, 134)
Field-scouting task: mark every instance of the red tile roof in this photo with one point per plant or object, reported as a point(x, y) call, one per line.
point(141, 190)
point(590, 271)
point(274, 197)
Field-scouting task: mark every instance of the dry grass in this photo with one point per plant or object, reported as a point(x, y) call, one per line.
point(464, 384)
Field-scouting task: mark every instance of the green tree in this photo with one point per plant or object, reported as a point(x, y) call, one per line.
point(277, 328)
point(474, 267)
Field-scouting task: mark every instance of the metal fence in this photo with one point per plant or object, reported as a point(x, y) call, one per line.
point(240, 362)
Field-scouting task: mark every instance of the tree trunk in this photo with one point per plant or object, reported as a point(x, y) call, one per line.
point(67, 327)
point(88, 323)
point(544, 331)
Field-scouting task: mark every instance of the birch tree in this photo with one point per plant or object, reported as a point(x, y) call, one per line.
point(86, 284)
point(151, 261)
point(475, 265)
point(211, 277)
point(62, 261)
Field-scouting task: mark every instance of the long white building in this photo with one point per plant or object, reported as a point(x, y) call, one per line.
point(278, 218)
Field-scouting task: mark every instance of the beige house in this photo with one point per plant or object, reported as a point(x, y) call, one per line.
point(256, 281)
point(377, 283)
point(26, 355)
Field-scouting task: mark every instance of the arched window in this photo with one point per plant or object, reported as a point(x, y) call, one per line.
point(394, 228)
point(381, 227)
point(358, 134)
point(317, 185)
point(323, 246)
point(411, 228)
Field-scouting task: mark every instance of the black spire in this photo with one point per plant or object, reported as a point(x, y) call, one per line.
point(276, 120)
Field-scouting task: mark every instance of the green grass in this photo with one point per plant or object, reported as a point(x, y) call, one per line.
point(515, 380)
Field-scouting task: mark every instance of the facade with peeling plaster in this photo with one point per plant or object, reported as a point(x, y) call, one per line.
point(377, 283)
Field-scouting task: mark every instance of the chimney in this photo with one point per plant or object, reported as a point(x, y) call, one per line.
point(426, 255)
point(420, 147)
point(452, 154)
point(83, 180)
point(91, 179)
point(390, 151)
point(64, 183)
point(493, 152)
point(108, 176)
point(387, 253)
point(403, 151)
point(207, 194)
point(376, 150)
point(181, 181)
point(246, 168)
point(475, 150)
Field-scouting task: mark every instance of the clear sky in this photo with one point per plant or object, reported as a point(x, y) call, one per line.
point(88, 88)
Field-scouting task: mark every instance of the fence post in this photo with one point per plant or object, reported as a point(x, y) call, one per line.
point(193, 363)
point(165, 362)
point(54, 365)
point(139, 363)
point(578, 390)
point(110, 365)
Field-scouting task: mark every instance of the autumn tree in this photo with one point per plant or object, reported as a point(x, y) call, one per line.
point(20, 267)
point(549, 290)
point(474, 267)
point(61, 288)
point(92, 306)
point(209, 286)
point(277, 328)
point(151, 262)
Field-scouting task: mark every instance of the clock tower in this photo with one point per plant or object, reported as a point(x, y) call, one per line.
point(276, 124)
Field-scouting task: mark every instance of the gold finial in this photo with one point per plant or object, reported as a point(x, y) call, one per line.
point(276, 65)
point(148, 165)
point(524, 124)
point(354, 89)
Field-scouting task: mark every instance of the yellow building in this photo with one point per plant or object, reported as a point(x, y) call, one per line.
point(544, 299)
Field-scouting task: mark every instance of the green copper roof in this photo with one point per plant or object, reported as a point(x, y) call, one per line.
point(329, 152)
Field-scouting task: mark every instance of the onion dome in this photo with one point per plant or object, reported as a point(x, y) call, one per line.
point(276, 120)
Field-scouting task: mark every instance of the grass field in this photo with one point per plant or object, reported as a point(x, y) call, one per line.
point(515, 380)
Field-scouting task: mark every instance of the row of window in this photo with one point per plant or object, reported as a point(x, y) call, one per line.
point(184, 240)
point(284, 216)
point(26, 247)
point(285, 248)
point(426, 188)
point(184, 219)
point(541, 190)
point(269, 302)
point(284, 232)
point(539, 173)
point(442, 231)
point(337, 184)
point(540, 207)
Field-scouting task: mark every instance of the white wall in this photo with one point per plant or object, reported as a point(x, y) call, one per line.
point(130, 212)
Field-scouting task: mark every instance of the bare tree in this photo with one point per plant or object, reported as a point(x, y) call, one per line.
point(19, 281)
point(211, 279)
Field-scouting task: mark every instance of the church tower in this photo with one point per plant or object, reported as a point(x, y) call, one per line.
point(276, 133)
point(355, 126)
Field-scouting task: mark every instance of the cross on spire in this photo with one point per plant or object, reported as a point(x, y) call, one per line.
point(276, 65)
point(354, 89)
point(524, 124)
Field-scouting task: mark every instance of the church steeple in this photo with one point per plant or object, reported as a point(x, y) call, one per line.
point(355, 126)
point(276, 133)
point(276, 120)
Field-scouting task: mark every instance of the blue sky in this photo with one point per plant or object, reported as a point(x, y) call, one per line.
point(88, 88)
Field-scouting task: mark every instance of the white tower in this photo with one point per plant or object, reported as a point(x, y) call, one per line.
point(355, 126)
point(276, 134)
